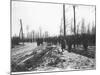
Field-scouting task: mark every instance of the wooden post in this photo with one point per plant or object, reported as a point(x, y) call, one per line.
point(74, 20)
point(74, 25)
point(64, 20)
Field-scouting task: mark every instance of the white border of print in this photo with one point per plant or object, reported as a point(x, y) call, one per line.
point(5, 37)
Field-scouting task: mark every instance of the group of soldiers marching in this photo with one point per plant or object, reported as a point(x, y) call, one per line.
point(70, 41)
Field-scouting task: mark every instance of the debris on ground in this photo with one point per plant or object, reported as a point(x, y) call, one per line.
point(48, 57)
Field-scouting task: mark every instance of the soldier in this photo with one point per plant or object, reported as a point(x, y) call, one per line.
point(69, 43)
point(38, 42)
point(85, 42)
point(63, 45)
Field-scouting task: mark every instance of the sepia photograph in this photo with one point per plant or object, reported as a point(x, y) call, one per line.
point(52, 37)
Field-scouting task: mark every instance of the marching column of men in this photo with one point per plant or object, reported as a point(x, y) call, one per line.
point(69, 41)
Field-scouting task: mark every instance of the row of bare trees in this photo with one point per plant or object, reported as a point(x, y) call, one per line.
point(76, 30)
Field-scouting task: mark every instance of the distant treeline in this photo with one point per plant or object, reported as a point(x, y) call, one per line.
point(87, 39)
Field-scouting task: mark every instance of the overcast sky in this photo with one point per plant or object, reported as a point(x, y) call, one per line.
point(47, 16)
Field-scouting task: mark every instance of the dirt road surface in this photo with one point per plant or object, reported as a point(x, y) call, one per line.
point(22, 50)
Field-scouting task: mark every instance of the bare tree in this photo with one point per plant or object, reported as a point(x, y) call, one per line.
point(72, 28)
point(21, 35)
point(74, 19)
point(27, 28)
point(94, 30)
point(88, 30)
point(46, 34)
point(40, 32)
point(83, 26)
